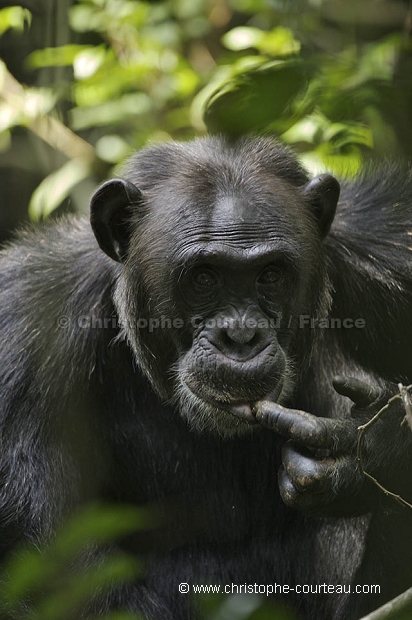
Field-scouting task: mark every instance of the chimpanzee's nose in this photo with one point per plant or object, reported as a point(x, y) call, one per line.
point(241, 335)
point(241, 338)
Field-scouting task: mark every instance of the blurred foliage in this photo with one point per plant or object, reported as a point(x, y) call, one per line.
point(330, 77)
point(58, 580)
point(242, 607)
point(61, 579)
point(14, 17)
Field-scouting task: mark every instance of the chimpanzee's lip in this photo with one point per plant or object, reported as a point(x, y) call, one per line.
point(243, 411)
point(239, 409)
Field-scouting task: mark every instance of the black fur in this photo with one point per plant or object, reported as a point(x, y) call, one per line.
point(84, 415)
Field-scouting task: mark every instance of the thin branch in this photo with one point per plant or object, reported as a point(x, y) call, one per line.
point(404, 397)
point(401, 603)
point(395, 496)
point(404, 392)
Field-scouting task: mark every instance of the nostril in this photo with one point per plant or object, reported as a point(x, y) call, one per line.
point(239, 343)
point(241, 335)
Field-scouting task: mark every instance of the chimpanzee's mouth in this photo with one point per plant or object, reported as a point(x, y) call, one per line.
point(245, 409)
point(241, 410)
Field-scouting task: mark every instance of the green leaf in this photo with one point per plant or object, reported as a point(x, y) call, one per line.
point(56, 187)
point(15, 18)
point(277, 42)
point(57, 56)
point(79, 587)
point(258, 99)
point(111, 112)
point(242, 38)
point(343, 134)
point(112, 148)
point(23, 106)
point(100, 524)
point(26, 571)
point(307, 130)
point(344, 162)
point(96, 525)
point(88, 61)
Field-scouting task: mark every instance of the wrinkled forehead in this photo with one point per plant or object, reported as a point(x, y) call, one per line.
point(238, 225)
point(195, 218)
point(234, 217)
point(259, 209)
point(219, 192)
point(244, 211)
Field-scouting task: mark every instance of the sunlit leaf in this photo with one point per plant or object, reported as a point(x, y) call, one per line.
point(343, 134)
point(14, 17)
point(88, 61)
point(277, 42)
point(111, 112)
point(56, 187)
point(242, 37)
point(57, 56)
point(343, 162)
point(37, 102)
point(305, 130)
point(10, 116)
point(112, 148)
point(84, 18)
point(23, 107)
point(316, 128)
point(186, 81)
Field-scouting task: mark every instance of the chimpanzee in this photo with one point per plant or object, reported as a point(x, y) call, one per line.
point(215, 361)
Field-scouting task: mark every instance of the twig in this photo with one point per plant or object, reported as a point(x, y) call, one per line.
point(395, 496)
point(401, 603)
point(404, 392)
point(404, 397)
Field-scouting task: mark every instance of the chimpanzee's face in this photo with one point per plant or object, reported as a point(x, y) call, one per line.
point(242, 279)
point(221, 262)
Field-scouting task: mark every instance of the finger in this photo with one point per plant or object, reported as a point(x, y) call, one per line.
point(313, 486)
point(307, 473)
point(304, 428)
point(361, 393)
point(307, 502)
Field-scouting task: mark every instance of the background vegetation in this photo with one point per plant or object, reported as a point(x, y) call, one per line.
point(84, 83)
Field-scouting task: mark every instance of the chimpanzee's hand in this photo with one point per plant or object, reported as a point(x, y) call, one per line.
point(320, 467)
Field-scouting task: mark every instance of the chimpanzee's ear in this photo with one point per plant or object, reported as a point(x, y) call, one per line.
point(110, 216)
point(322, 193)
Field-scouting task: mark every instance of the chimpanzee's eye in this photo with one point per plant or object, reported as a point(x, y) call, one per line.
point(203, 277)
point(271, 275)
